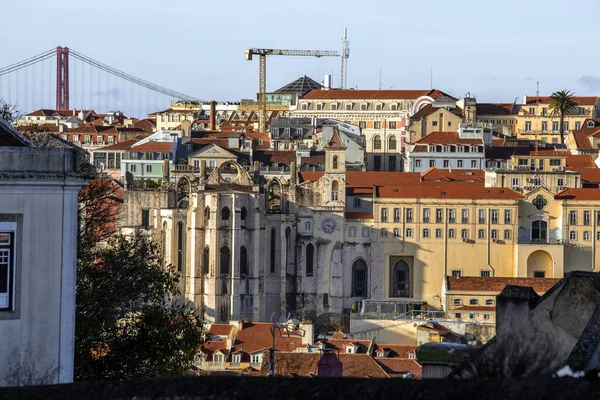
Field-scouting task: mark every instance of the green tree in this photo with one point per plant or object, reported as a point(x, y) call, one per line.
point(561, 103)
point(131, 319)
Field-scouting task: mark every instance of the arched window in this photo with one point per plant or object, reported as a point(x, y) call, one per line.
point(273, 248)
point(243, 213)
point(376, 143)
point(243, 261)
point(206, 215)
point(225, 213)
point(334, 190)
point(180, 243)
point(335, 162)
point(400, 279)
point(274, 196)
point(224, 260)
point(205, 260)
point(359, 278)
point(392, 143)
point(310, 257)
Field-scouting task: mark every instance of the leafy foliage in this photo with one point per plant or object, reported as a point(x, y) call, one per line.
point(131, 320)
point(9, 112)
point(561, 103)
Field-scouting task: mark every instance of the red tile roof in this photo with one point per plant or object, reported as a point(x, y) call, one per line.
point(210, 347)
point(497, 284)
point(220, 329)
point(580, 161)
point(349, 94)
point(476, 309)
point(304, 364)
point(275, 157)
point(398, 367)
point(494, 109)
point(435, 174)
point(581, 140)
point(589, 175)
point(336, 141)
point(358, 215)
point(340, 344)
point(256, 336)
point(579, 100)
point(368, 178)
point(397, 350)
point(121, 146)
point(556, 153)
point(162, 147)
point(447, 138)
point(451, 190)
point(429, 109)
point(579, 194)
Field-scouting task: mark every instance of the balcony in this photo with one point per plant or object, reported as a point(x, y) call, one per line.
point(559, 242)
point(388, 309)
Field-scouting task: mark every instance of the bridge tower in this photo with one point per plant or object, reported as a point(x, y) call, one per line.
point(62, 78)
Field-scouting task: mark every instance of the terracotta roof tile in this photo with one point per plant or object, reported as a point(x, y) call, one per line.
point(397, 350)
point(435, 174)
point(121, 146)
point(580, 160)
point(494, 109)
point(451, 190)
point(579, 194)
point(588, 175)
point(399, 367)
point(581, 140)
point(349, 94)
point(340, 344)
point(579, 100)
point(275, 157)
point(476, 308)
point(159, 147)
point(256, 336)
point(358, 215)
point(335, 142)
point(557, 153)
point(497, 284)
point(305, 364)
point(429, 109)
point(220, 329)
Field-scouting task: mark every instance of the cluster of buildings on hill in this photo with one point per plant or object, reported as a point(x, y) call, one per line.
point(378, 210)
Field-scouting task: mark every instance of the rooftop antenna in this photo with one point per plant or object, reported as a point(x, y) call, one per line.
point(431, 78)
point(345, 55)
point(379, 78)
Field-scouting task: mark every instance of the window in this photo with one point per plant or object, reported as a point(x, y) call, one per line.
point(494, 234)
point(396, 215)
point(218, 358)
point(438, 233)
point(384, 215)
point(273, 248)
point(434, 123)
point(474, 164)
point(539, 274)
point(572, 235)
point(335, 162)
point(334, 106)
point(352, 231)
point(377, 163)
point(236, 358)
point(554, 126)
point(482, 216)
point(451, 233)
point(464, 234)
point(473, 302)
point(438, 216)
point(489, 302)
point(359, 278)
point(539, 230)
point(362, 124)
point(376, 142)
point(527, 126)
point(577, 125)
point(224, 260)
point(7, 264)
point(400, 279)
point(573, 217)
point(494, 216)
point(334, 190)
point(507, 234)
point(305, 106)
point(409, 215)
point(544, 126)
point(363, 107)
point(307, 225)
point(446, 163)
point(205, 260)
point(356, 202)
point(225, 213)
point(377, 125)
point(417, 163)
point(392, 125)
point(394, 107)
point(457, 315)
point(180, 244)
point(383, 232)
point(566, 126)
point(507, 215)
point(532, 110)
point(365, 232)
point(586, 235)
point(243, 261)
point(256, 359)
point(145, 218)
point(431, 163)
point(456, 272)
point(392, 143)
point(451, 216)
point(457, 302)
point(149, 168)
point(310, 256)
point(409, 232)
point(319, 106)
point(586, 218)
point(132, 168)
point(459, 163)
point(426, 215)
point(560, 182)
point(481, 234)
point(472, 315)
point(485, 274)
point(425, 233)
point(465, 216)
point(544, 111)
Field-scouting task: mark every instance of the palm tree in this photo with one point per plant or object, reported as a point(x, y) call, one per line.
point(561, 103)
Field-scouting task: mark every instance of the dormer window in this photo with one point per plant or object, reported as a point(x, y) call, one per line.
point(394, 106)
point(334, 106)
point(431, 148)
point(379, 106)
point(236, 358)
point(351, 349)
point(218, 358)
point(412, 356)
point(305, 106)
point(363, 107)
point(349, 106)
point(590, 124)
point(319, 106)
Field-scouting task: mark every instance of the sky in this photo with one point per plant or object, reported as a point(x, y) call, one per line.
point(497, 51)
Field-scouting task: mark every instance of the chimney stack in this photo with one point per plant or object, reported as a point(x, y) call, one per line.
point(293, 174)
point(308, 330)
point(213, 115)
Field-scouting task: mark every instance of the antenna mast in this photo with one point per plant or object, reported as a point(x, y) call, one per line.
point(345, 55)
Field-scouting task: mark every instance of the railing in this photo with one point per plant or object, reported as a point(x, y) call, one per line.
point(312, 168)
point(544, 241)
point(388, 309)
point(269, 168)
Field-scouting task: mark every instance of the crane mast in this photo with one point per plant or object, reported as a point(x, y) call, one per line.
point(345, 55)
point(262, 73)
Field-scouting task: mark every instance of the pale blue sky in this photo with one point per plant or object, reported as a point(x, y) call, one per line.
point(497, 50)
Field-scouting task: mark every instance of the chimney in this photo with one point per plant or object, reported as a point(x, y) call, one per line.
point(308, 331)
point(213, 115)
point(229, 343)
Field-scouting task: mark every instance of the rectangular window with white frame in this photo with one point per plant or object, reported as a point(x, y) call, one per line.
point(457, 272)
point(7, 264)
point(352, 231)
point(425, 233)
point(481, 234)
point(587, 235)
point(396, 215)
point(396, 232)
point(484, 273)
point(572, 235)
point(409, 233)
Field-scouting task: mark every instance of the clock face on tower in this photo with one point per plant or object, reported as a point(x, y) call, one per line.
point(328, 225)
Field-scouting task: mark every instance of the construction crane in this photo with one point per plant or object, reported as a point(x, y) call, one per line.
point(345, 55)
point(262, 73)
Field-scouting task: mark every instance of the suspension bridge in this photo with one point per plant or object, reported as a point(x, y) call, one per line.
point(64, 79)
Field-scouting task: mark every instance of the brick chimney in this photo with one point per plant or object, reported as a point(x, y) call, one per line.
point(213, 115)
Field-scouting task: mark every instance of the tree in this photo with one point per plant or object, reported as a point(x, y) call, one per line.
point(131, 320)
point(561, 103)
point(9, 112)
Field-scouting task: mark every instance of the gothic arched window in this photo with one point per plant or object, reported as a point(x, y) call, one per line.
point(335, 162)
point(310, 257)
point(205, 260)
point(377, 143)
point(243, 261)
point(225, 213)
point(273, 248)
point(180, 242)
point(334, 190)
point(359, 278)
point(400, 279)
point(224, 260)
point(392, 143)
